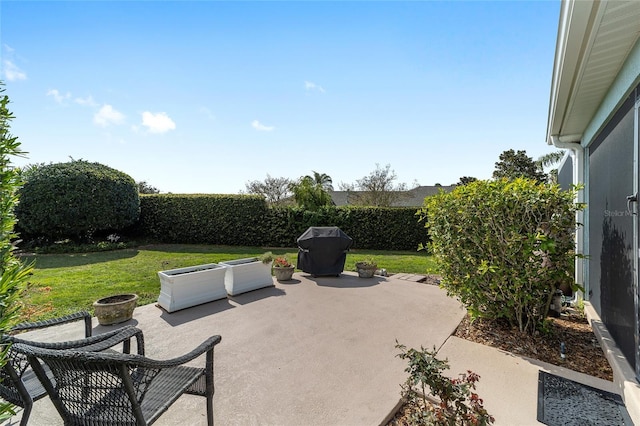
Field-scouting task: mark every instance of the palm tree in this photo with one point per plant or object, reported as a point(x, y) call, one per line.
point(550, 160)
point(322, 179)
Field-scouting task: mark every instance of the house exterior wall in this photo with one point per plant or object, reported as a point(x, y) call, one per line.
point(565, 173)
point(610, 263)
point(609, 140)
point(597, 70)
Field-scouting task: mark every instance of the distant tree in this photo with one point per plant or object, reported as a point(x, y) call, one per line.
point(465, 180)
point(145, 188)
point(343, 186)
point(376, 189)
point(274, 190)
point(514, 164)
point(322, 179)
point(310, 194)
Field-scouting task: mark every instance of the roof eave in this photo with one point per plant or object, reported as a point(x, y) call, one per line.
point(575, 30)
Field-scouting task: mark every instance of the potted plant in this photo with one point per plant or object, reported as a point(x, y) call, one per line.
point(185, 287)
point(115, 309)
point(282, 268)
point(366, 268)
point(248, 274)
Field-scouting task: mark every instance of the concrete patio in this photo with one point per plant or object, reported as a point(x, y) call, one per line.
point(321, 351)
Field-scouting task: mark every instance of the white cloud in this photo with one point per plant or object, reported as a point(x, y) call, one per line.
point(310, 86)
point(207, 113)
point(57, 96)
point(158, 122)
point(107, 115)
point(261, 127)
point(88, 101)
point(12, 72)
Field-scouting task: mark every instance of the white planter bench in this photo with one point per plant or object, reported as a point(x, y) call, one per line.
point(244, 275)
point(185, 287)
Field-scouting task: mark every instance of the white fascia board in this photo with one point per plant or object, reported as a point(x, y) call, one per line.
point(574, 32)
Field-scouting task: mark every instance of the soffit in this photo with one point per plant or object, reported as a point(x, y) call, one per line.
point(596, 49)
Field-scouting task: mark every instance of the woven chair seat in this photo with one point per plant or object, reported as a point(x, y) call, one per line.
point(167, 388)
point(100, 388)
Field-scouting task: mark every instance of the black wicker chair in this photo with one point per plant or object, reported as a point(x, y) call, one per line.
point(18, 383)
point(120, 389)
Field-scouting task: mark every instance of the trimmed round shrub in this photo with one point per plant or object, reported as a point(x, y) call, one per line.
point(504, 246)
point(75, 200)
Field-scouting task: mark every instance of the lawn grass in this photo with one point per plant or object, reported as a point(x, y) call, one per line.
point(66, 283)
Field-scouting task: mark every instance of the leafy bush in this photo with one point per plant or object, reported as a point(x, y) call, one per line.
point(503, 247)
point(13, 273)
point(458, 404)
point(75, 200)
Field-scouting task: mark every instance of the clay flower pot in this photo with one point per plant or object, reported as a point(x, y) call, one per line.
point(366, 269)
point(282, 268)
point(115, 309)
point(283, 273)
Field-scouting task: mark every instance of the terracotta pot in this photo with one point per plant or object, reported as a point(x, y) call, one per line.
point(283, 273)
point(115, 309)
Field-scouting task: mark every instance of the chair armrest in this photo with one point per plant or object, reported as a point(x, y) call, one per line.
point(136, 360)
point(206, 346)
point(96, 343)
point(112, 338)
point(142, 361)
point(86, 316)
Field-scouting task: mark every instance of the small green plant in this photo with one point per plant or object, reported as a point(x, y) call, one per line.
point(579, 307)
point(459, 404)
point(367, 263)
point(266, 257)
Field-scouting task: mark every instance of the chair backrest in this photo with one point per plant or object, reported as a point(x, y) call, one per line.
point(12, 389)
point(13, 386)
point(92, 388)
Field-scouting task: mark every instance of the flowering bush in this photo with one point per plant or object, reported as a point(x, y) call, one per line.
point(281, 262)
point(458, 403)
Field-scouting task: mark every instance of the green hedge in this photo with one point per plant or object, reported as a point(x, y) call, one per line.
point(203, 219)
point(246, 220)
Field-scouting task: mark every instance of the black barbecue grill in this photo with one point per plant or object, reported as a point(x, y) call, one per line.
point(323, 250)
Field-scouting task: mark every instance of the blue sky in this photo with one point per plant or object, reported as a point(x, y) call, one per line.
point(202, 97)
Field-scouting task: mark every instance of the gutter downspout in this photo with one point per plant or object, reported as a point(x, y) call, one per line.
point(577, 152)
